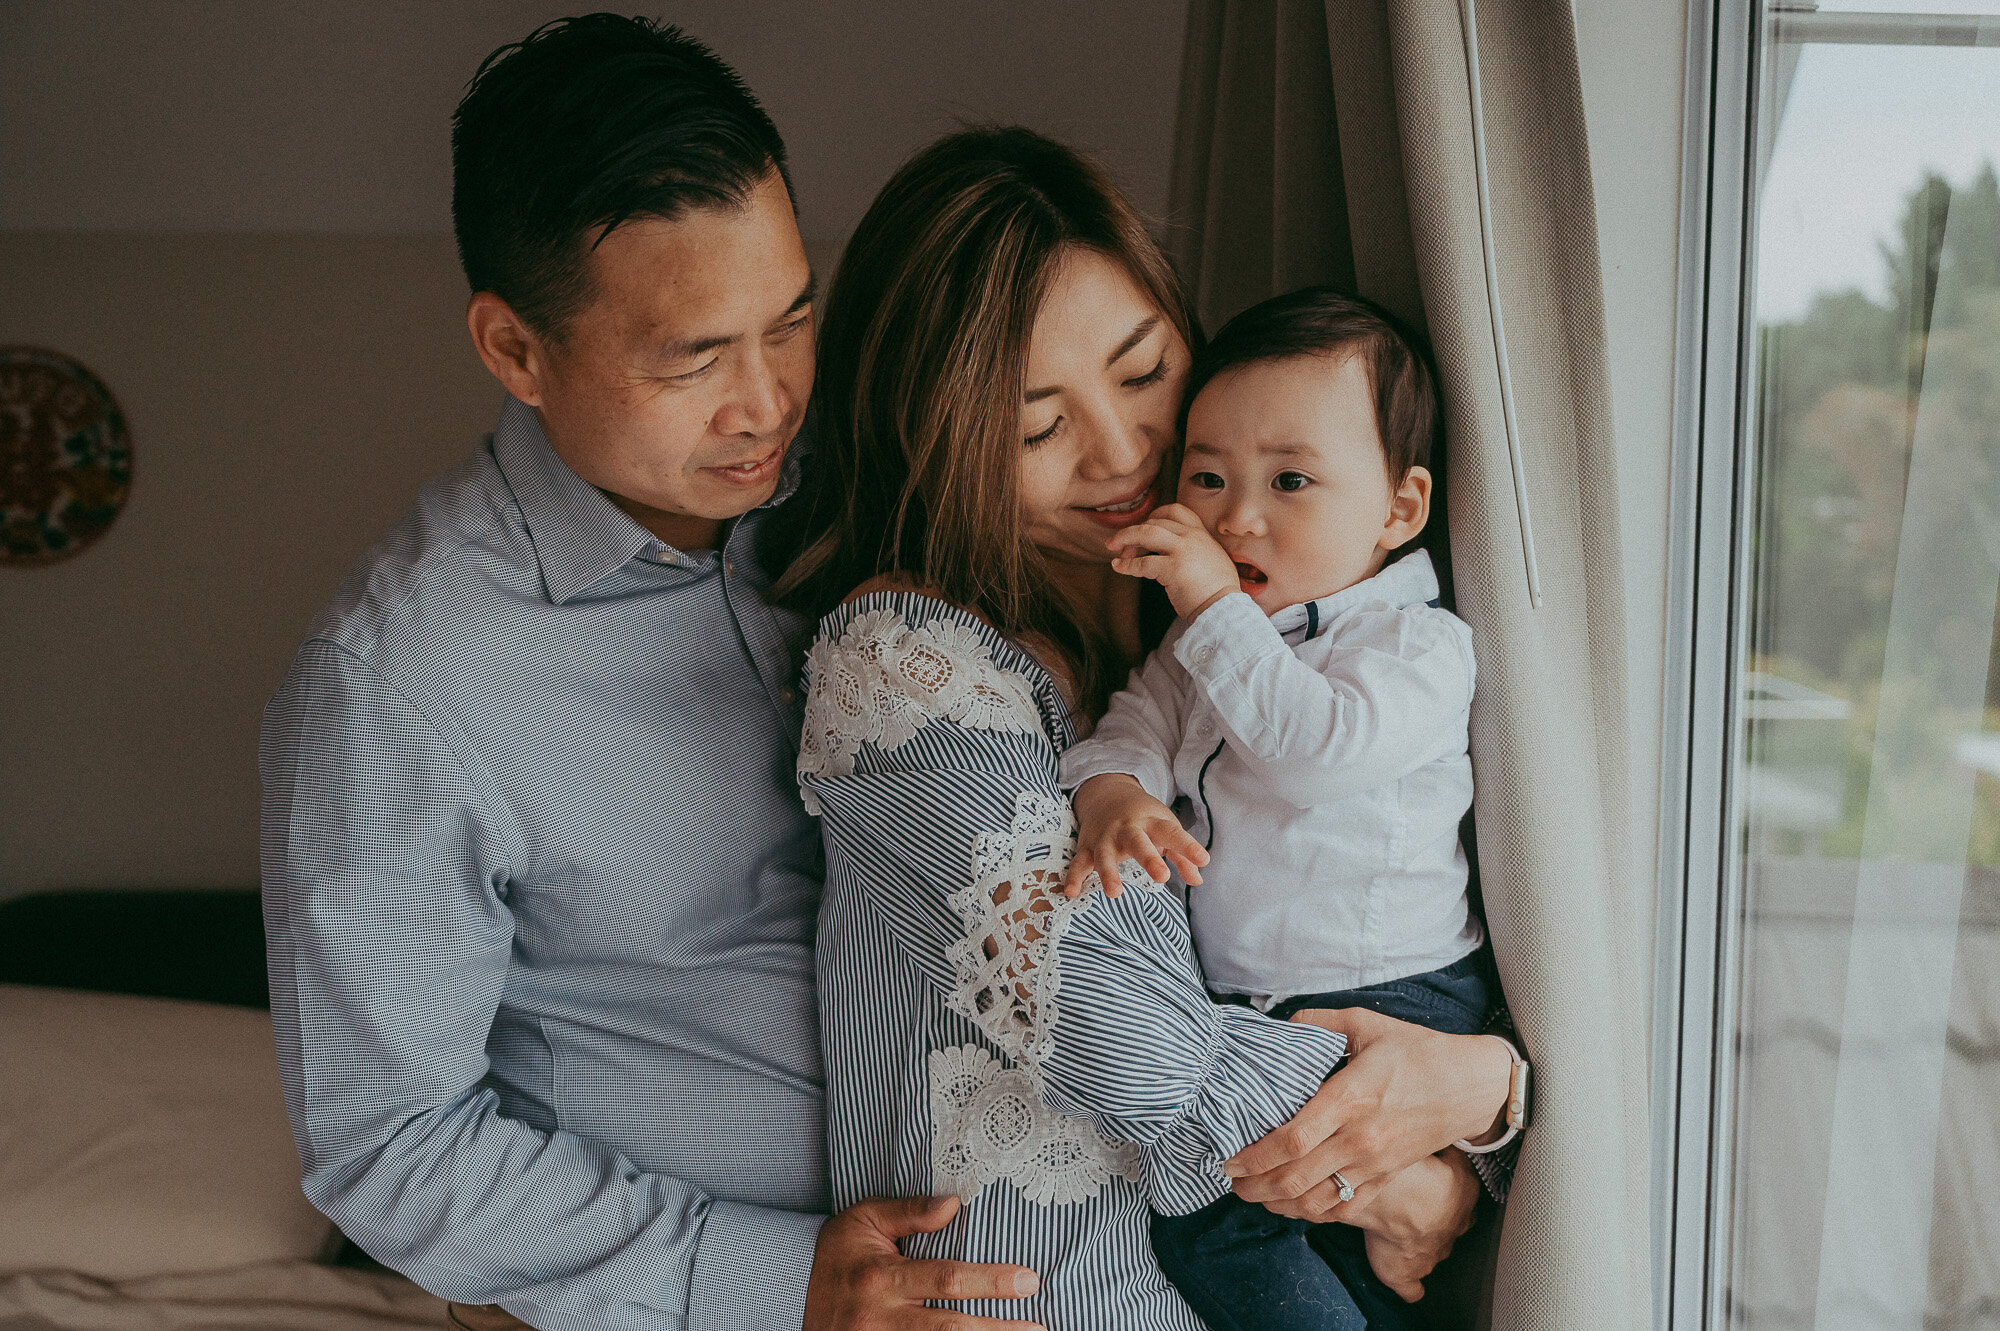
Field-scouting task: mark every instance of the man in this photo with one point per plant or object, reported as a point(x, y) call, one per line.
point(540, 894)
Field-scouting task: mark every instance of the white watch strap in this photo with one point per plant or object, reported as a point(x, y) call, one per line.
point(1517, 1102)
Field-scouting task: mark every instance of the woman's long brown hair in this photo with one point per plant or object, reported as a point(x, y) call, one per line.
point(916, 427)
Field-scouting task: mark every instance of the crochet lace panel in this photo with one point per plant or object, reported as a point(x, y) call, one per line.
point(989, 1123)
point(883, 681)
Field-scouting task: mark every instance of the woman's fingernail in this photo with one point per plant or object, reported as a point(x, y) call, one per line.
point(1230, 1169)
point(1026, 1283)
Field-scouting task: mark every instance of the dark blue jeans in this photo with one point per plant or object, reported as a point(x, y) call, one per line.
point(1245, 1269)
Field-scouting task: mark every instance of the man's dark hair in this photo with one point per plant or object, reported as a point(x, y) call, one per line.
point(1320, 321)
point(587, 124)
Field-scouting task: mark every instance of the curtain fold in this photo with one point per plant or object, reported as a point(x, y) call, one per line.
point(1395, 159)
point(1257, 199)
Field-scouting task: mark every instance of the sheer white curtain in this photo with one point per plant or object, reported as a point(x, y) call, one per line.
point(1340, 140)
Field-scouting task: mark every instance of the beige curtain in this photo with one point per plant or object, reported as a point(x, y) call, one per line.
point(1380, 191)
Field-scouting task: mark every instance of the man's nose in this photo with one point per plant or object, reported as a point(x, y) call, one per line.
point(760, 403)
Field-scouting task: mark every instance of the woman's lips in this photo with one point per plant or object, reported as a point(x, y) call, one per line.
point(1127, 512)
point(755, 474)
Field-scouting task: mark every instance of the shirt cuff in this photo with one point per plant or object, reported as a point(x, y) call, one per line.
point(1263, 1074)
point(1076, 767)
point(750, 1269)
point(1228, 634)
point(1496, 1170)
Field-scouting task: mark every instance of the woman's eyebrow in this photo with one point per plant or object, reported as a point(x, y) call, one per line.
point(1133, 339)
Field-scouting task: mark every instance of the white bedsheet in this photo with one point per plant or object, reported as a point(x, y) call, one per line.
point(277, 1296)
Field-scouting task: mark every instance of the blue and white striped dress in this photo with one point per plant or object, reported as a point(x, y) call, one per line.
point(1054, 1063)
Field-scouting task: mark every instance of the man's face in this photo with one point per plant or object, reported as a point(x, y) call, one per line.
point(677, 389)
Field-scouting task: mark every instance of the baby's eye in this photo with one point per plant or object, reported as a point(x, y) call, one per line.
point(1291, 480)
point(1205, 480)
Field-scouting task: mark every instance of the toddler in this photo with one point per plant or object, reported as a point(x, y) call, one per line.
point(1307, 716)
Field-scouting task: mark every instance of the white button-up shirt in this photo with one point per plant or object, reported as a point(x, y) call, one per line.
point(1321, 756)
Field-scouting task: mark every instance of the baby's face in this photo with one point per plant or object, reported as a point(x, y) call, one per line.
point(1284, 466)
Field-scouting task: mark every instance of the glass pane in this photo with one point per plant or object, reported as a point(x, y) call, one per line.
point(1865, 1120)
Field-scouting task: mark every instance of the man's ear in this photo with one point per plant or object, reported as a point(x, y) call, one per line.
point(517, 357)
point(1409, 510)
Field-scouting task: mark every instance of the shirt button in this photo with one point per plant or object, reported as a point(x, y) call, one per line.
point(788, 695)
point(729, 567)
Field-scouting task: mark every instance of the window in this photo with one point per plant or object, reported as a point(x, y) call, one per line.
point(1832, 1147)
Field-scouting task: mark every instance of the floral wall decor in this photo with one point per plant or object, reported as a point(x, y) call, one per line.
point(65, 457)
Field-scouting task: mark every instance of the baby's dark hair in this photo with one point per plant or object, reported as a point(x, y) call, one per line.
point(1320, 321)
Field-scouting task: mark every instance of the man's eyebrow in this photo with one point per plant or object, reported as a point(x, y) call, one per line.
point(807, 294)
point(1132, 339)
point(693, 347)
point(688, 350)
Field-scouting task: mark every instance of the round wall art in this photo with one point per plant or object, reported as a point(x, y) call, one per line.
point(65, 458)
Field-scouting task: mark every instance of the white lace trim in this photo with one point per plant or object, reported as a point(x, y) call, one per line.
point(1015, 915)
point(883, 681)
point(988, 1123)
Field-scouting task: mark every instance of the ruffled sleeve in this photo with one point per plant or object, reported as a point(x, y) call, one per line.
point(931, 755)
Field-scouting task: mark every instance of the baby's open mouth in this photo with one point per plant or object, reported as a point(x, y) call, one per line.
point(1250, 572)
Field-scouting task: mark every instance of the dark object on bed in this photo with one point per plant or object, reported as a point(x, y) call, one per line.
point(202, 945)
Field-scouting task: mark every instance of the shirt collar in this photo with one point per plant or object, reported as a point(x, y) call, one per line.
point(1411, 580)
point(579, 536)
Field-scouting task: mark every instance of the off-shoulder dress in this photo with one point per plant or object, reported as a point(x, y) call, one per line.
point(1055, 1063)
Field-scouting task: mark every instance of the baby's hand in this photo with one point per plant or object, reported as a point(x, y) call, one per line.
point(1118, 821)
point(1176, 551)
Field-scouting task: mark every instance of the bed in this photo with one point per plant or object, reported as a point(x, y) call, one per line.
point(147, 1175)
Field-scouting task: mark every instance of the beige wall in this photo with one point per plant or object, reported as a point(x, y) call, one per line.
point(286, 396)
point(243, 229)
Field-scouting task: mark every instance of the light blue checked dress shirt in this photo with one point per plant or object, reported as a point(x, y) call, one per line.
point(540, 898)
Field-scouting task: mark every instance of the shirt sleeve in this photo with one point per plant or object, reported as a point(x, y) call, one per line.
point(386, 874)
point(1391, 697)
point(1140, 732)
point(927, 758)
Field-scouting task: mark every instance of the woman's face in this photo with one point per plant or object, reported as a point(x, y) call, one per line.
point(1105, 369)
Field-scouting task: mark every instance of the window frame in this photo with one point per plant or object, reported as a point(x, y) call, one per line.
point(1713, 475)
point(1711, 486)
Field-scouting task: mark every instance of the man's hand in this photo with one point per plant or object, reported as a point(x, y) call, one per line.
point(1419, 1214)
point(1118, 821)
point(1176, 551)
point(1410, 1219)
point(1405, 1092)
point(860, 1282)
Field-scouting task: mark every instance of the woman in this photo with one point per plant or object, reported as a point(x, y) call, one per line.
point(1001, 366)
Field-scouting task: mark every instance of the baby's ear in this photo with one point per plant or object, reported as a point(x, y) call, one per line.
point(1409, 509)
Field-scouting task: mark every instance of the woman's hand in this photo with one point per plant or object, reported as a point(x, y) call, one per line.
point(1405, 1092)
point(1118, 821)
